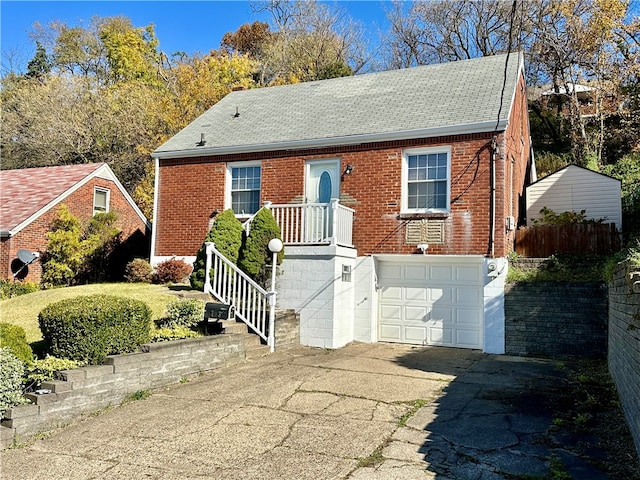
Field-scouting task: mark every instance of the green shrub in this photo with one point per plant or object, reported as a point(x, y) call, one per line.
point(44, 369)
point(75, 254)
point(88, 328)
point(138, 270)
point(172, 333)
point(226, 233)
point(255, 256)
point(549, 217)
point(11, 373)
point(171, 271)
point(14, 338)
point(184, 313)
point(10, 289)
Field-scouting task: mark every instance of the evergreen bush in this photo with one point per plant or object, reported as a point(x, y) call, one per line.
point(226, 233)
point(88, 328)
point(11, 373)
point(14, 338)
point(255, 256)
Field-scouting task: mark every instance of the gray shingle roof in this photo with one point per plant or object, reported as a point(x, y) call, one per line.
point(448, 98)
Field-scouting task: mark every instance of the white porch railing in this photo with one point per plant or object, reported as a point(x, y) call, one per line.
point(313, 223)
point(253, 304)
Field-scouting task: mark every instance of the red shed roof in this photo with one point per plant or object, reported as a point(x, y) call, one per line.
point(27, 193)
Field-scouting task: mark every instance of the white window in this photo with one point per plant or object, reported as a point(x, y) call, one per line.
point(425, 180)
point(243, 187)
point(100, 200)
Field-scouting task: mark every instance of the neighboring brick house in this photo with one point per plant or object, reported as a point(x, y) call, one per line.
point(428, 166)
point(29, 200)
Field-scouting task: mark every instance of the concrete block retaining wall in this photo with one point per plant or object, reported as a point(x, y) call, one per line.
point(556, 319)
point(624, 343)
point(89, 389)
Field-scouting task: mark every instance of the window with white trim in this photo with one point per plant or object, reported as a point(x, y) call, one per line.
point(244, 180)
point(425, 180)
point(100, 200)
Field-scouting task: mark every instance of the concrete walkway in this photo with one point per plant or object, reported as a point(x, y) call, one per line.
point(362, 412)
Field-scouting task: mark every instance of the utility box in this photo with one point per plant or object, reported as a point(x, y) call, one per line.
point(214, 312)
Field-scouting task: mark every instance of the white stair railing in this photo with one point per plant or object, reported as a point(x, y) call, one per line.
point(228, 284)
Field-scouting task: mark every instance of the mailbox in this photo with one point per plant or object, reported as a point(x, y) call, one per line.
point(214, 312)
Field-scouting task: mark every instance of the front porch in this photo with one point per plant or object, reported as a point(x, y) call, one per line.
point(311, 224)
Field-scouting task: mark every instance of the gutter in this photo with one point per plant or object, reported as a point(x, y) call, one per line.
point(482, 127)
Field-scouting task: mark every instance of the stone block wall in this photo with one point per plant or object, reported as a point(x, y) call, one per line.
point(556, 319)
point(624, 343)
point(89, 389)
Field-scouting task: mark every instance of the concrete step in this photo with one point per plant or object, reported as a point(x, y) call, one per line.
point(231, 326)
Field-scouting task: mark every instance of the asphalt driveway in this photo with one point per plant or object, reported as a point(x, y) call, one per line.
point(365, 411)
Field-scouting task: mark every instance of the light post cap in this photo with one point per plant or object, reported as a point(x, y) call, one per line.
point(275, 245)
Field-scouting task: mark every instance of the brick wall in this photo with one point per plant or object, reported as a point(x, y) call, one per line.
point(624, 343)
point(89, 389)
point(556, 319)
point(190, 190)
point(34, 236)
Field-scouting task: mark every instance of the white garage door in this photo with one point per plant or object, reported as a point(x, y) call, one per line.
point(434, 303)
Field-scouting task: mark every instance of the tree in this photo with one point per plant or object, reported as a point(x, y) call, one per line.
point(255, 257)
point(449, 30)
point(305, 41)
point(226, 234)
point(40, 65)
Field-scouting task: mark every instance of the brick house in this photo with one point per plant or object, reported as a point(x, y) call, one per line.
point(29, 200)
point(397, 192)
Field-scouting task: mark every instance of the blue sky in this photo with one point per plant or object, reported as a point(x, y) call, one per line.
point(189, 26)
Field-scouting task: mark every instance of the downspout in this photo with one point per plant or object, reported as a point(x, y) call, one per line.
point(492, 199)
point(154, 226)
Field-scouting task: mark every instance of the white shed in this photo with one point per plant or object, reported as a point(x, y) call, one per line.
point(574, 188)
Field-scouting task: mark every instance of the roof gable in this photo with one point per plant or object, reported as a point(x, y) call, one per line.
point(443, 99)
point(569, 169)
point(27, 193)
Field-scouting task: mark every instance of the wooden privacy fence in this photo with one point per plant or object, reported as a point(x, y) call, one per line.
point(543, 241)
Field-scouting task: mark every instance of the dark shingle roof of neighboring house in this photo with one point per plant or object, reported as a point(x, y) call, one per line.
point(27, 193)
point(443, 99)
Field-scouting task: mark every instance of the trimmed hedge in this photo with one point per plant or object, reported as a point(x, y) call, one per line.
point(14, 338)
point(88, 328)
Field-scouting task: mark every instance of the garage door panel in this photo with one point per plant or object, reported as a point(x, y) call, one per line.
point(442, 315)
point(391, 333)
point(416, 294)
point(439, 303)
point(416, 272)
point(468, 317)
point(416, 314)
point(468, 274)
point(440, 273)
point(391, 313)
point(391, 271)
point(415, 334)
point(468, 295)
point(391, 293)
point(439, 336)
point(441, 295)
point(467, 338)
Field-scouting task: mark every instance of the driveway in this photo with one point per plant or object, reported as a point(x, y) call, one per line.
point(366, 411)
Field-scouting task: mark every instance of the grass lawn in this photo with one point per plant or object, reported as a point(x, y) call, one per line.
point(24, 310)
